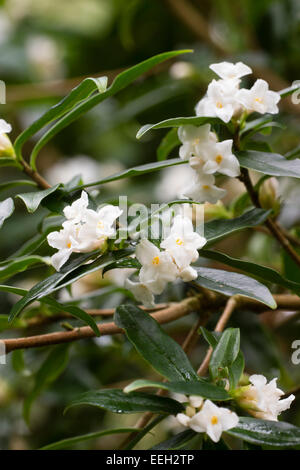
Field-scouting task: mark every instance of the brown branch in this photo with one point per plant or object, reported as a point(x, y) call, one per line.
point(231, 305)
point(35, 176)
point(273, 227)
point(166, 315)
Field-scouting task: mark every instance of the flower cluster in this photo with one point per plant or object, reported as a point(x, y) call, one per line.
point(205, 416)
point(262, 399)
point(162, 266)
point(224, 100)
point(84, 230)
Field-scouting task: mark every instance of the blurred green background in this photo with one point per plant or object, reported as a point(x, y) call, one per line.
point(46, 48)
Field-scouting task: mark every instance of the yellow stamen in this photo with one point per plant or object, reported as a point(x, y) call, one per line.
point(219, 104)
point(69, 245)
point(214, 420)
point(155, 260)
point(219, 158)
point(205, 186)
point(100, 224)
point(179, 242)
point(259, 100)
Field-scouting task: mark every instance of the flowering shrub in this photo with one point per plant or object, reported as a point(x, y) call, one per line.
point(221, 399)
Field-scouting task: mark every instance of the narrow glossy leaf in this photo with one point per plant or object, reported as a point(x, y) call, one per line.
point(200, 387)
point(119, 402)
point(177, 122)
point(49, 371)
point(144, 431)
point(226, 351)
point(21, 264)
point(229, 283)
point(289, 91)
point(136, 171)
point(33, 200)
point(78, 94)
point(71, 272)
point(71, 441)
point(269, 163)
point(176, 441)
point(6, 209)
point(153, 343)
point(255, 124)
point(270, 433)
point(236, 369)
point(252, 269)
point(121, 81)
point(293, 153)
point(12, 184)
point(211, 337)
point(169, 142)
point(217, 229)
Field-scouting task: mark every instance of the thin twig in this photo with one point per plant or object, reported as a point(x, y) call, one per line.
point(35, 176)
point(222, 322)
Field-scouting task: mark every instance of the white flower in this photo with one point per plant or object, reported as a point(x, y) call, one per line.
point(98, 227)
point(203, 189)
point(262, 399)
point(227, 70)
point(76, 211)
point(5, 128)
point(158, 267)
point(141, 292)
point(182, 244)
point(259, 98)
point(220, 100)
point(66, 241)
point(193, 139)
point(211, 419)
point(217, 158)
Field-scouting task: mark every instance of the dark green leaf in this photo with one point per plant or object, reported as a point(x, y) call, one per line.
point(71, 441)
point(226, 351)
point(176, 441)
point(200, 387)
point(12, 184)
point(169, 142)
point(156, 347)
point(229, 283)
point(33, 200)
point(236, 369)
point(269, 163)
point(119, 402)
point(289, 91)
point(217, 229)
point(177, 122)
point(20, 264)
point(270, 433)
point(252, 269)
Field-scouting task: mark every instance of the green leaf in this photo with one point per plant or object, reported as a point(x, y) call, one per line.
point(215, 230)
point(270, 433)
point(199, 387)
point(230, 284)
point(49, 371)
point(226, 351)
point(120, 82)
point(169, 142)
point(269, 163)
point(71, 441)
point(144, 431)
point(33, 200)
point(19, 265)
point(136, 171)
point(293, 153)
point(6, 209)
point(119, 402)
point(177, 122)
point(252, 269)
point(12, 184)
point(236, 369)
point(156, 347)
point(17, 360)
point(211, 337)
point(77, 95)
point(176, 441)
point(71, 272)
point(289, 91)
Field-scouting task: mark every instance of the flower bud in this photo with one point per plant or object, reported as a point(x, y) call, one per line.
point(268, 195)
point(6, 148)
